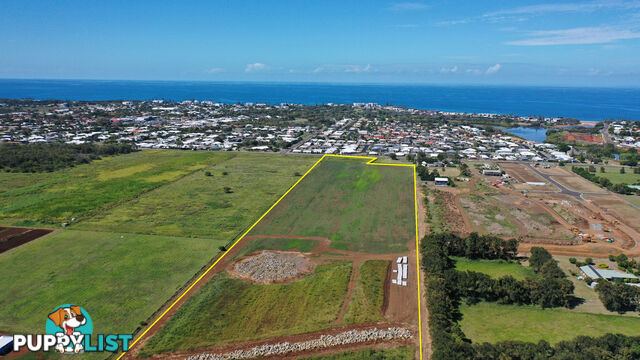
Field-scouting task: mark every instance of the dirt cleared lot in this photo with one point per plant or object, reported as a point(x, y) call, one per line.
point(617, 208)
point(579, 184)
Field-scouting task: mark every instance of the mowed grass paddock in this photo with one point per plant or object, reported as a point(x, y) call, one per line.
point(220, 206)
point(359, 207)
point(227, 309)
point(491, 322)
point(119, 278)
point(495, 268)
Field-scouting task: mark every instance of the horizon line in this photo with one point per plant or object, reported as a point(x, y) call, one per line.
point(333, 83)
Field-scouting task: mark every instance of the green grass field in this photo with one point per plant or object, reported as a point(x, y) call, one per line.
point(302, 245)
point(227, 309)
point(491, 322)
point(198, 205)
point(400, 353)
point(613, 174)
point(495, 268)
point(92, 188)
point(120, 279)
point(368, 297)
point(359, 207)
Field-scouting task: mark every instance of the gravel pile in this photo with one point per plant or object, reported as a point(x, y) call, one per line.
point(270, 267)
point(325, 341)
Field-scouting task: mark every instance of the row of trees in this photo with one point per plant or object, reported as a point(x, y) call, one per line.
point(546, 292)
point(446, 287)
point(42, 157)
point(603, 181)
point(477, 246)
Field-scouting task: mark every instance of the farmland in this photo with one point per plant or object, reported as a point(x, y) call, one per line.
point(219, 206)
point(493, 322)
point(362, 207)
point(366, 305)
point(121, 279)
point(91, 189)
point(495, 268)
point(346, 287)
point(215, 316)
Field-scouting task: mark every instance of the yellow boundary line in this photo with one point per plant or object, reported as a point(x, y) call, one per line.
point(370, 162)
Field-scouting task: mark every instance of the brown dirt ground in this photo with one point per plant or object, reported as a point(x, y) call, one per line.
point(588, 138)
point(556, 170)
point(13, 237)
point(521, 172)
point(577, 183)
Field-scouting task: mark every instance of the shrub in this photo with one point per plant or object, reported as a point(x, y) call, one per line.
point(208, 173)
point(573, 260)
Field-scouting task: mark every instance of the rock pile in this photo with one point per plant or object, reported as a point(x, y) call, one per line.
point(324, 341)
point(272, 267)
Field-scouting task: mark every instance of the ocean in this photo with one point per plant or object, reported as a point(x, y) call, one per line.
point(587, 104)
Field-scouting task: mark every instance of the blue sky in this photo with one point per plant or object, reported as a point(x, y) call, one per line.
point(588, 43)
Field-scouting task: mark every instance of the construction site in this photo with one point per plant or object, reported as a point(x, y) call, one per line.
point(543, 204)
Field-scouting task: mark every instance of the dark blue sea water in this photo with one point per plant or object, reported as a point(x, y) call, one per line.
point(589, 104)
point(533, 134)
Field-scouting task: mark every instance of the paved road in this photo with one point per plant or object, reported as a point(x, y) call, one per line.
point(563, 189)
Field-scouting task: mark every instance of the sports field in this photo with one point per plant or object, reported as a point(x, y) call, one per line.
point(359, 207)
point(227, 309)
point(491, 322)
point(495, 268)
point(119, 278)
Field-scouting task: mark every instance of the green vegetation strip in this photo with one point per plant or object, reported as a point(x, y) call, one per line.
point(359, 207)
point(491, 322)
point(120, 279)
point(368, 297)
point(495, 268)
point(227, 309)
point(400, 353)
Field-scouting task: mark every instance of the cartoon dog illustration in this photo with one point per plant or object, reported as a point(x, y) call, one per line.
point(68, 318)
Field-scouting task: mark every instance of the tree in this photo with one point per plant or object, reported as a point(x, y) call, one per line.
point(592, 168)
point(393, 156)
point(618, 297)
point(622, 170)
point(588, 260)
point(551, 270)
point(208, 173)
point(538, 257)
point(602, 169)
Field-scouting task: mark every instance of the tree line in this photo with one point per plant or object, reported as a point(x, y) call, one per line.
point(603, 181)
point(446, 288)
point(47, 157)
